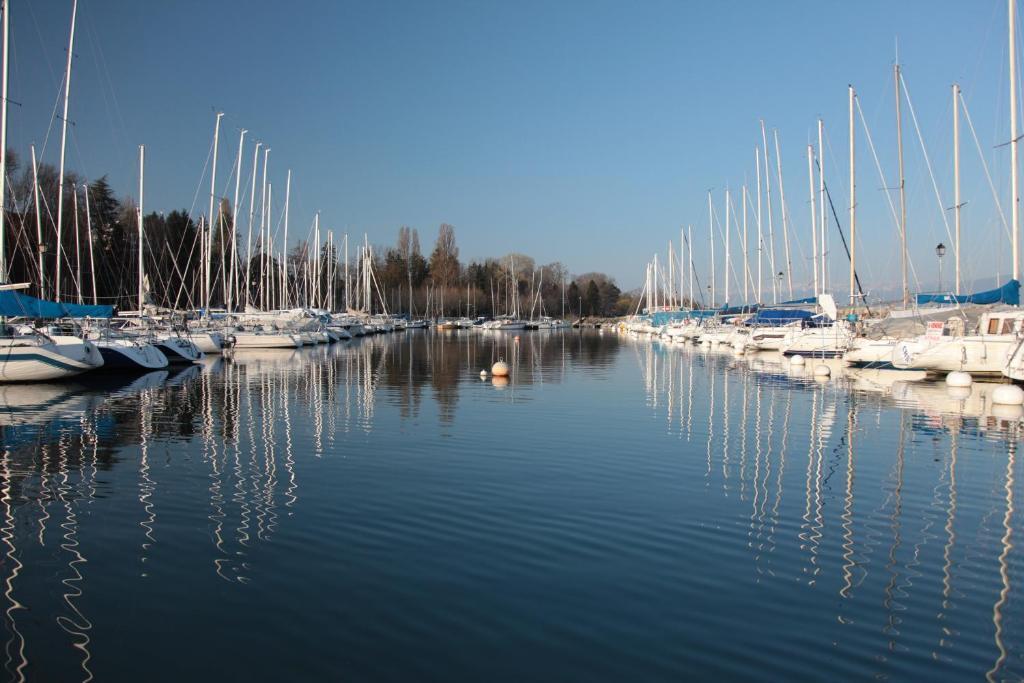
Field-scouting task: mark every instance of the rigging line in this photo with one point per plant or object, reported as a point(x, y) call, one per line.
point(839, 229)
point(731, 267)
point(885, 185)
point(748, 279)
point(927, 160)
point(984, 165)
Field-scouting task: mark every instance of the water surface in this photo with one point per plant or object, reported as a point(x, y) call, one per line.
point(618, 510)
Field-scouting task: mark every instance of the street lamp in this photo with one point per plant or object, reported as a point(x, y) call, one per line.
point(940, 251)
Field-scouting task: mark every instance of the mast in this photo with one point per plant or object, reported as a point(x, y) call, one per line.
point(711, 232)
point(63, 134)
point(316, 263)
point(39, 219)
point(284, 260)
point(853, 211)
point(1015, 190)
point(785, 214)
point(263, 225)
point(760, 234)
point(821, 203)
point(682, 265)
point(88, 229)
point(814, 217)
point(268, 268)
point(252, 212)
point(903, 196)
point(233, 285)
point(347, 300)
point(956, 179)
point(78, 246)
point(728, 263)
point(689, 234)
point(771, 226)
point(212, 221)
point(142, 180)
point(746, 269)
point(5, 8)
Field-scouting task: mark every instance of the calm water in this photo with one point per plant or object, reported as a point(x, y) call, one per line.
point(621, 510)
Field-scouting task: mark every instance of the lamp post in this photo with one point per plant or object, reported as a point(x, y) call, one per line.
point(940, 251)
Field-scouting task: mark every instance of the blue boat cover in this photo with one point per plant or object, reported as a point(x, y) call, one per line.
point(809, 301)
point(14, 304)
point(773, 316)
point(1007, 294)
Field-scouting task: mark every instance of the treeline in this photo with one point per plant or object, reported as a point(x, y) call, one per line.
point(98, 261)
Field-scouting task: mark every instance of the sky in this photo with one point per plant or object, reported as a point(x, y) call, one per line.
point(580, 132)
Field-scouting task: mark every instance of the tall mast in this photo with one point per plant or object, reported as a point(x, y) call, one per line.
point(88, 229)
point(728, 229)
point(5, 8)
point(39, 219)
point(347, 300)
point(233, 284)
point(689, 240)
point(746, 269)
point(771, 226)
point(284, 261)
point(821, 203)
point(63, 135)
point(785, 214)
point(853, 211)
point(814, 217)
point(903, 196)
point(263, 225)
point(142, 186)
point(316, 263)
point(682, 265)
point(760, 235)
point(1013, 140)
point(212, 220)
point(956, 179)
point(268, 268)
point(711, 232)
point(252, 211)
point(78, 247)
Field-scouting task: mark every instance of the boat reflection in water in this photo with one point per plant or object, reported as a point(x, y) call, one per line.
point(383, 493)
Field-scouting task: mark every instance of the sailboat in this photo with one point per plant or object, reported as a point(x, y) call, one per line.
point(28, 354)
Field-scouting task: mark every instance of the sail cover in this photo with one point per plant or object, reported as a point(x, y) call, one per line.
point(1007, 294)
point(14, 304)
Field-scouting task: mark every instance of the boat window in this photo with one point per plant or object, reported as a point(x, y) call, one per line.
point(1007, 326)
point(993, 326)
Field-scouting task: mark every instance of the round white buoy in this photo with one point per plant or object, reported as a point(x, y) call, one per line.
point(483, 374)
point(958, 379)
point(822, 371)
point(500, 369)
point(796, 360)
point(1005, 412)
point(1008, 395)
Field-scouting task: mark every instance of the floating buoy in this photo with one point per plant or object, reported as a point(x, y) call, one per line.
point(796, 360)
point(483, 374)
point(1008, 395)
point(958, 379)
point(822, 371)
point(500, 369)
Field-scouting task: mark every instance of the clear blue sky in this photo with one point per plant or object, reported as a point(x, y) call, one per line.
point(585, 132)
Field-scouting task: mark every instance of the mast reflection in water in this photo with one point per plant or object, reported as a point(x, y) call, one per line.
point(616, 509)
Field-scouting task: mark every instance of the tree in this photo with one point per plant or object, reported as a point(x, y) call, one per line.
point(572, 294)
point(592, 299)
